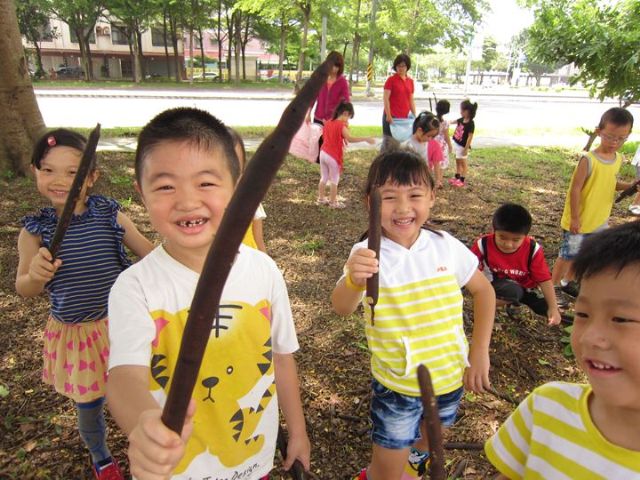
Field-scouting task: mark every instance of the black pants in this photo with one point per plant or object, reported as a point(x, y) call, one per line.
point(512, 292)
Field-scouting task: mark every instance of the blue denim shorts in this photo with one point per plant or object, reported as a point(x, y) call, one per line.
point(570, 245)
point(396, 417)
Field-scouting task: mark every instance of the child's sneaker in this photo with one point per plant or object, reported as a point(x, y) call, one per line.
point(452, 180)
point(416, 465)
point(572, 288)
point(107, 469)
point(457, 183)
point(362, 475)
point(560, 298)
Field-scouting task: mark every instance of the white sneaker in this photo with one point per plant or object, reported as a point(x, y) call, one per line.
point(634, 209)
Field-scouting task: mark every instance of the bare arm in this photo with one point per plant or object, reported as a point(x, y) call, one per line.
point(35, 268)
point(553, 314)
point(412, 102)
point(347, 293)
point(128, 395)
point(347, 136)
point(476, 377)
point(579, 179)
point(299, 447)
point(257, 227)
point(468, 145)
point(447, 137)
point(133, 239)
point(386, 94)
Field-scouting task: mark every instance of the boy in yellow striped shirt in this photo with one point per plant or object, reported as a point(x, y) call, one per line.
point(587, 431)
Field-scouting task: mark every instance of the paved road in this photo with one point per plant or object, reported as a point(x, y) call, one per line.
point(549, 118)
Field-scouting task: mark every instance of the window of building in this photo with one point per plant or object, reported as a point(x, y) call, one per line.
point(74, 37)
point(118, 35)
point(157, 37)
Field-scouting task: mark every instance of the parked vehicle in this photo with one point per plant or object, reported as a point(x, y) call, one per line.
point(69, 72)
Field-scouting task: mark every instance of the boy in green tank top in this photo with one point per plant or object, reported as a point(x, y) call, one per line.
point(590, 198)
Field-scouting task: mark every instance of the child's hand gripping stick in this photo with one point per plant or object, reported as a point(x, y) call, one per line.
point(375, 232)
point(249, 193)
point(432, 425)
point(74, 192)
point(297, 469)
point(628, 191)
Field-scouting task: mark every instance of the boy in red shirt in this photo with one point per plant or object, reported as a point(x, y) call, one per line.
point(514, 263)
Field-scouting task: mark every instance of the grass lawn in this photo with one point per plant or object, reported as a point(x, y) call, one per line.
point(310, 244)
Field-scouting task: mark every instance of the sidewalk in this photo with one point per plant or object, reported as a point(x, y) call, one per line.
point(129, 144)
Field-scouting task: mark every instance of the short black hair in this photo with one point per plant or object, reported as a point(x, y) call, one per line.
point(611, 249)
point(186, 124)
point(512, 218)
point(619, 116)
point(442, 108)
point(402, 58)
point(60, 137)
point(426, 121)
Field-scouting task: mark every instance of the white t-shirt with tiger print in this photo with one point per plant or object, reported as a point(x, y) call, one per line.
point(236, 420)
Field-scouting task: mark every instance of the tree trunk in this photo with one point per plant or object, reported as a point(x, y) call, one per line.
point(306, 15)
point(202, 59)
point(219, 39)
point(283, 39)
point(166, 43)
point(237, 41)
point(137, 67)
point(21, 122)
point(191, 54)
point(356, 45)
point(141, 60)
point(174, 42)
point(230, 44)
point(40, 73)
point(372, 28)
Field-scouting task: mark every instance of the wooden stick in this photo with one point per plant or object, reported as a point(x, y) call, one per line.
point(296, 471)
point(375, 231)
point(249, 193)
point(627, 192)
point(432, 425)
point(74, 192)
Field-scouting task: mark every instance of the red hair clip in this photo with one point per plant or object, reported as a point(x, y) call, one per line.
point(51, 141)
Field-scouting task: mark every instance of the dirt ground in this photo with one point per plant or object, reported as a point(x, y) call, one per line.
point(310, 243)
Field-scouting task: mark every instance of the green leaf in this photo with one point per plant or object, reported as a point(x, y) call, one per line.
point(4, 391)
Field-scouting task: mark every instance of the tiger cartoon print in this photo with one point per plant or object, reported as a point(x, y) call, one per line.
point(237, 358)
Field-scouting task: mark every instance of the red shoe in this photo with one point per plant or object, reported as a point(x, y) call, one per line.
point(362, 475)
point(107, 470)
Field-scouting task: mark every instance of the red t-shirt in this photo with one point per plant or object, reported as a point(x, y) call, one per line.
point(513, 265)
point(400, 97)
point(332, 139)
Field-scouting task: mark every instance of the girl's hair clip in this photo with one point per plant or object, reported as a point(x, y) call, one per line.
point(51, 141)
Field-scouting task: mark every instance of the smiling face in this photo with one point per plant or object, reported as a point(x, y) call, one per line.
point(186, 190)
point(405, 208)
point(55, 177)
point(606, 337)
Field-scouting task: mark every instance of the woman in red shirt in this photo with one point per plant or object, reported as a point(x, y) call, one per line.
point(398, 94)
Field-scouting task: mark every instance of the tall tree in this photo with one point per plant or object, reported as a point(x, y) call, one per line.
point(33, 21)
point(601, 38)
point(136, 17)
point(81, 16)
point(305, 10)
point(21, 122)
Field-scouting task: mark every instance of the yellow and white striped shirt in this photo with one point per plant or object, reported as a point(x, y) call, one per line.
point(551, 436)
point(418, 318)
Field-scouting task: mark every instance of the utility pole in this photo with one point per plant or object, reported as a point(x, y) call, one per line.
point(468, 68)
point(372, 28)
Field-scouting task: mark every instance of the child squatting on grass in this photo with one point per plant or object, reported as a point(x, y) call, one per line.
point(587, 431)
point(514, 263)
point(186, 171)
point(590, 197)
point(418, 318)
point(78, 280)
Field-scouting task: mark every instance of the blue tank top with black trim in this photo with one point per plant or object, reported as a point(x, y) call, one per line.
point(92, 255)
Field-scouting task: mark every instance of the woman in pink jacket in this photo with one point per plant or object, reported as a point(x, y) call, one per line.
point(334, 91)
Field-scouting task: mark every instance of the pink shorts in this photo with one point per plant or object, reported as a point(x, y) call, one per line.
point(329, 169)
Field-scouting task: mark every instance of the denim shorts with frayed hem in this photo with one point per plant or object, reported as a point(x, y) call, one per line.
point(396, 417)
point(570, 245)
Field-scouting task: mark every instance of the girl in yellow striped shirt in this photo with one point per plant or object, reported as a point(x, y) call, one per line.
point(418, 317)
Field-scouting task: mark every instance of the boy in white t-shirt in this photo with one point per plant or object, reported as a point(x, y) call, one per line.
point(186, 171)
point(589, 431)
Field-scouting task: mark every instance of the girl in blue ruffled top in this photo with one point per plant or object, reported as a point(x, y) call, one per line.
point(76, 341)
